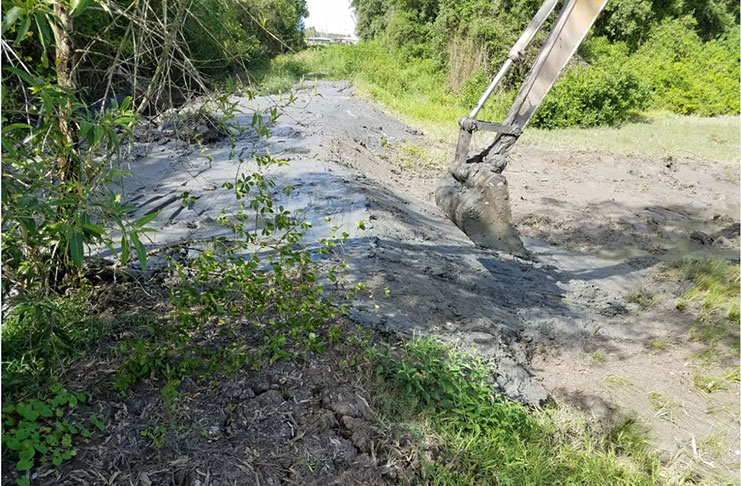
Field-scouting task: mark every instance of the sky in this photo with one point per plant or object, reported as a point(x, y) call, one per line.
point(331, 16)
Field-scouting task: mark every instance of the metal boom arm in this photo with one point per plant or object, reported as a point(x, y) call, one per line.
point(474, 195)
point(571, 27)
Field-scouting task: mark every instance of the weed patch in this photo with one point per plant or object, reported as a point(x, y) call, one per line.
point(482, 438)
point(715, 296)
point(644, 297)
point(40, 431)
point(43, 334)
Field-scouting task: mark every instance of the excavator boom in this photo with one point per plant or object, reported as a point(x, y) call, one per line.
point(474, 195)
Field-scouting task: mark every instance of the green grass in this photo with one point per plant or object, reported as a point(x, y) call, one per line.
point(598, 356)
point(662, 405)
point(478, 437)
point(42, 335)
point(715, 291)
point(658, 134)
point(657, 344)
point(644, 297)
point(416, 91)
point(714, 297)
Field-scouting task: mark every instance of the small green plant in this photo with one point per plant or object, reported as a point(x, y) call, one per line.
point(708, 384)
point(619, 382)
point(657, 344)
point(42, 334)
point(38, 431)
point(415, 156)
point(598, 356)
point(157, 435)
point(662, 405)
point(644, 297)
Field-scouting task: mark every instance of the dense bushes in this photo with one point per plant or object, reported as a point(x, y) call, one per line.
point(677, 55)
point(592, 96)
point(120, 45)
point(58, 152)
point(686, 75)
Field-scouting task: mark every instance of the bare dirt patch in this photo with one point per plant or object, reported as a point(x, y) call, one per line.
point(309, 420)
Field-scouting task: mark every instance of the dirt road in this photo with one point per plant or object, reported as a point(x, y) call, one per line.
point(600, 225)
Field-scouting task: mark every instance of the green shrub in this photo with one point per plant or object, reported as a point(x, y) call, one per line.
point(592, 96)
point(686, 75)
point(677, 55)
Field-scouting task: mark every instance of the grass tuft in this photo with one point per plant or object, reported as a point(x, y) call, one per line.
point(644, 297)
point(715, 292)
point(42, 335)
point(483, 438)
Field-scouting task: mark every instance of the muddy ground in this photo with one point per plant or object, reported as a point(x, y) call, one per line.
point(600, 225)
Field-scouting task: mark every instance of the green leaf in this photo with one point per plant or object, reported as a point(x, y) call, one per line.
point(21, 74)
point(96, 421)
point(44, 33)
point(77, 7)
point(23, 29)
point(27, 453)
point(13, 444)
point(119, 173)
point(140, 250)
point(93, 229)
point(75, 248)
point(125, 103)
point(55, 30)
point(23, 481)
point(125, 249)
point(98, 134)
point(44, 409)
point(28, 413)
point(145, 219)
point(10, 17)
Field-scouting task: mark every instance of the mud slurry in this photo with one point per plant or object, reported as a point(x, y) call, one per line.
point(537, 322)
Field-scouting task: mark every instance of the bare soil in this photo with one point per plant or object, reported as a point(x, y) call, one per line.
point(305, 421)
point(599, 224)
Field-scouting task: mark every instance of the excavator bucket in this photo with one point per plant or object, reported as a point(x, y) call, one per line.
point(479, 205)
point(475, 195)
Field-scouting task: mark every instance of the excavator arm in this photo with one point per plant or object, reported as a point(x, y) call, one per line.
point(474, 195)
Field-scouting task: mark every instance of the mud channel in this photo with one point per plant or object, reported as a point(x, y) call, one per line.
point(599, 225)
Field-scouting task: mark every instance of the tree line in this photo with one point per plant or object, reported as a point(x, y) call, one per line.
point(676, 55)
